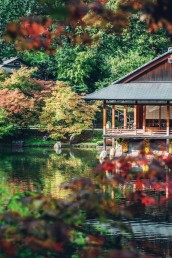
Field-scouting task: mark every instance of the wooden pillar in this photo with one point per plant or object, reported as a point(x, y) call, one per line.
point(125, 116)
point(144, 118)
point(113, 124)
point(159, 117)
point(113, 116)
point(168, 120)
point(104, 118)
point(135, 116)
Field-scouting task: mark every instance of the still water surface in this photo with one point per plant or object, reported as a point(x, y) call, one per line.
point(31, 168)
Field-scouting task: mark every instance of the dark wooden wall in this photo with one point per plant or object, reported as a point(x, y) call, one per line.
point(160, 72)
point(139, 119)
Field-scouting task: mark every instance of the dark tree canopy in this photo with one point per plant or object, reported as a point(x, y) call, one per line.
point(11, 10)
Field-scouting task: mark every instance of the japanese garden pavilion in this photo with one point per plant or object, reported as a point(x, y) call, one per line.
point(149, 90)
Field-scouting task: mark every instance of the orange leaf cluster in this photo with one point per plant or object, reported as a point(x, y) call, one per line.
point(32, 33)
point(15, 101)
point(22, 97)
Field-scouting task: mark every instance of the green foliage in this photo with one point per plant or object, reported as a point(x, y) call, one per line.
point(6, 128)
point(46, 65)
point(80, 67)
point(11, 10)
point(65, 113)
point(126, 62)
point(3, 75)
point(20, 79)
point(133, 48)
point(89, 68)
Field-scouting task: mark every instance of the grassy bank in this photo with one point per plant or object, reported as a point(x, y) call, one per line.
point(34, 138)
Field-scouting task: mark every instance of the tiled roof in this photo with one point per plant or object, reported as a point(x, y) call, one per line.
point(9, 61)
point(134, 91)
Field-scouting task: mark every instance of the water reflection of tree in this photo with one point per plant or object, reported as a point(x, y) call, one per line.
point(70, 164)
point(43, 168)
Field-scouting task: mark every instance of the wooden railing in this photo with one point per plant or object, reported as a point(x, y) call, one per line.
point(132, 131)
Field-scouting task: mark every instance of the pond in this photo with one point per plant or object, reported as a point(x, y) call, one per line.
point(33, 168)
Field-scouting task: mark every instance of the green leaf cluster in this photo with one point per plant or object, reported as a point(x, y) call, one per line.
point(12, 10)
point(6, 128)
point(65, 113)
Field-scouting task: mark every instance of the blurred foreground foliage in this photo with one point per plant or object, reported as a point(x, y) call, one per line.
point(48, 227)
point(80, 21)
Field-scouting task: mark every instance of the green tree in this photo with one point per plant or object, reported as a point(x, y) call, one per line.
point(80, 67)
point(46, 64)
point(21, 79)
point(87, 68)
point(133, 48)
point(11, 10)
point(22, 97)
point(3, 75)
point(6, 128)
point(65, 113)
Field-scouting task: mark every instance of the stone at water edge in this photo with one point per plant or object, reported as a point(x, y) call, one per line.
point(57, 146)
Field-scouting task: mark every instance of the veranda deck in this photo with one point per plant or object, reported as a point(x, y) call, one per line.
point(121, 132)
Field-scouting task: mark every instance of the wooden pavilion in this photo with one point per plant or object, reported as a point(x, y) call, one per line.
point(149, 90)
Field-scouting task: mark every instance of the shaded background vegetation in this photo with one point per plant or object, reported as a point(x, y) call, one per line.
point(86, 67)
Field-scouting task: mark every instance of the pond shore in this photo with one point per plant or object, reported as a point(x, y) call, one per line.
point(51, 145)
point(34, 138)
point(79, 145)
